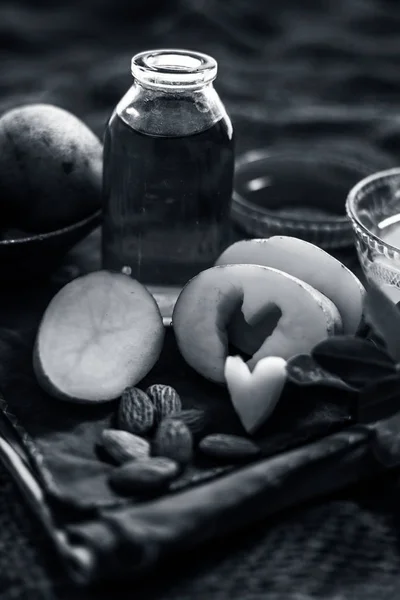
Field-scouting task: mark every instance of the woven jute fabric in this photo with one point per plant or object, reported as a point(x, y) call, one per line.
point(338, 549)
point(321, 75)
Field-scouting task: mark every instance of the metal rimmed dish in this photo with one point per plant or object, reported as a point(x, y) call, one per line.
point(295, 193)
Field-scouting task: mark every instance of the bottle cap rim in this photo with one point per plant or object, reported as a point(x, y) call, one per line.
point(173, 68)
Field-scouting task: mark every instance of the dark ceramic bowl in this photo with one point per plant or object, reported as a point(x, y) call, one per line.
point(35, 256)
point(300, 194)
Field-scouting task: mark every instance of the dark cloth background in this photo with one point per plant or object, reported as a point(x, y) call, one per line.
point(318, 74)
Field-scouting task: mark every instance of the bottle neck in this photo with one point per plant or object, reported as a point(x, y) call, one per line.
point(170, 112)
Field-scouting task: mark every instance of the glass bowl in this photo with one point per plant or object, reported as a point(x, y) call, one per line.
point(373, 206)
point(296, 193)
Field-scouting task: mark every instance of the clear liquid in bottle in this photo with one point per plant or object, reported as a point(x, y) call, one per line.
point(167, 186)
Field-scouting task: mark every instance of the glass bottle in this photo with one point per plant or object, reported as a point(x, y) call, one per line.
point(168, 172)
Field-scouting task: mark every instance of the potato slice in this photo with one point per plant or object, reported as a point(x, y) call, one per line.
point(308, 263)
point(101, 333)
point(207, 316)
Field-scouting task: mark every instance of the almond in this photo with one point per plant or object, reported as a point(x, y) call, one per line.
point(228, 447)
point(165, 399)
point(174, 440)
point(123, 446)
point(144, 475)
point(136, 412)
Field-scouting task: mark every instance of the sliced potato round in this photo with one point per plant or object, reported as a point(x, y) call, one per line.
point(101, 333)
point(308, 263)
point(231, 303)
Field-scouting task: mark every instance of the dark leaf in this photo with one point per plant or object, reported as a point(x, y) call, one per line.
point(386, 441)
point(384, 317)
point(366, 332)
point(364, 329)
point(377, 340)
point(303, 370)
point(357, 362)
point(380, 400)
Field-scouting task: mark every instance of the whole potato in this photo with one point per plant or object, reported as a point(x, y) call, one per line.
point(50, 168)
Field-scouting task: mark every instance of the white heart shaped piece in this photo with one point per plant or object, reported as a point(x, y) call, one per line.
point(255, 394)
